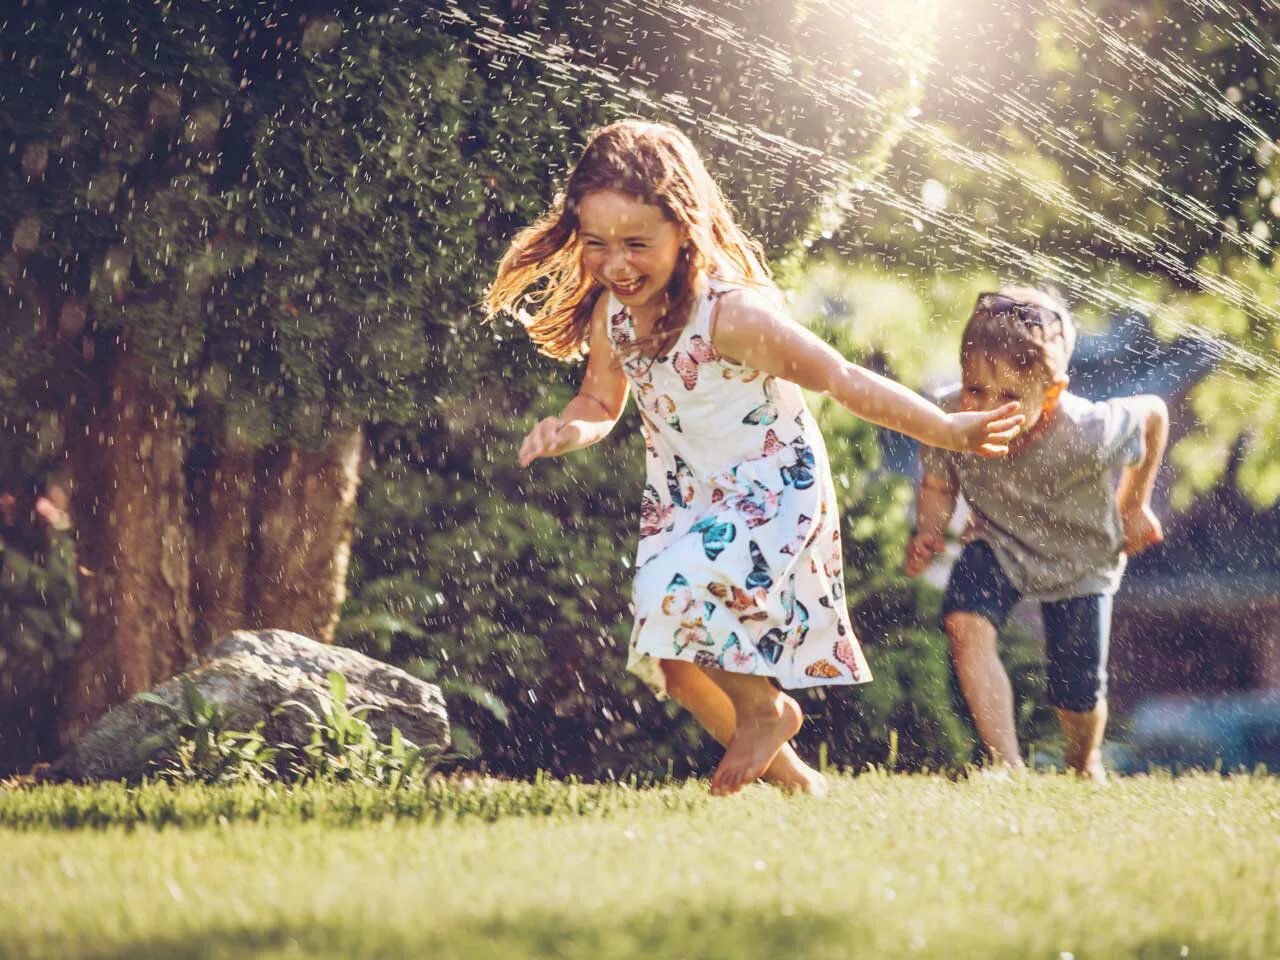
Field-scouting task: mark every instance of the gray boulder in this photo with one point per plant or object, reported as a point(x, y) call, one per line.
point(247, 674)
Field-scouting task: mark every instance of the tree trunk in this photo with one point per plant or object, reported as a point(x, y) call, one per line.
point(306, 504)
point(126, 448)
point(222, 517)
point(273, 537)
point(174, 555)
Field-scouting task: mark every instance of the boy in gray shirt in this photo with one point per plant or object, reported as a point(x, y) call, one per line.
point(1048, 521)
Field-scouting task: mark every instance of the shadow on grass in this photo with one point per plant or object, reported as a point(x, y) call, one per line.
point(714, 935)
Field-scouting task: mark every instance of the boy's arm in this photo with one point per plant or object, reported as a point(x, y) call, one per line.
point(752, 330)
point(591, 414)
point(1133, 494)
point(935, 505)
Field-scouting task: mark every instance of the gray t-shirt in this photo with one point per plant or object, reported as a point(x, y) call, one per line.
point(1049, 511)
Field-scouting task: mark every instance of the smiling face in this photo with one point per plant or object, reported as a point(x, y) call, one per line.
point(629, 246)
point(990, 382)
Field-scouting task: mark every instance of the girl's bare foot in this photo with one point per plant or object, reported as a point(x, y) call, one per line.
point(790, 773)
point(760, 735)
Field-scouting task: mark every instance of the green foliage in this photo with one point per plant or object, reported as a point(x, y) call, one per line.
point(199, 748)
point(362, 210)
point(291, 216)
point(39, 637)
point(39, 631)
point(111, 124)
point(38, 603)
point(287, 219)
point(343, 747)
point(1198, 184)
point(514, 584)
point(39, 626)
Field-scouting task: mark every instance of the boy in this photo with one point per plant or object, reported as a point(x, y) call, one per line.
point(1047, 521)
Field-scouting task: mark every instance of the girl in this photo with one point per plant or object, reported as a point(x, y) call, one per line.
point(739, 574)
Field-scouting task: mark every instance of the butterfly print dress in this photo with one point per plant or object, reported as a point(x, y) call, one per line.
point(739, 564)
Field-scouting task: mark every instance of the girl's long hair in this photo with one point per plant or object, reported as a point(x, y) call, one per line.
point(541, 279)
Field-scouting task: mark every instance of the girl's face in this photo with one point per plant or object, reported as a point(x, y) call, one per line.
point(629, 246)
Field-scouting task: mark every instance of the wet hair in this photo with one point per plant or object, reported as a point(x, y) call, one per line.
point(1029, 328)
point(541, 279)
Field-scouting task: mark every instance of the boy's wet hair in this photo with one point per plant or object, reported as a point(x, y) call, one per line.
point(1026, 327)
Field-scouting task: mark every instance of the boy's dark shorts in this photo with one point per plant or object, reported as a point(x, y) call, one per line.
point(1077, 630)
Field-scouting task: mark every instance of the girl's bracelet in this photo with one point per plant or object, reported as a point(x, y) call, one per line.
point(599, 403)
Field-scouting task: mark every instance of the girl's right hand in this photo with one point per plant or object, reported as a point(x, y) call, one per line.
point(988, 432)
point(551, 437)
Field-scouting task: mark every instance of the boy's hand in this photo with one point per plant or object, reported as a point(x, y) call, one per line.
point(551, 437)
point(921, 551)
point(1141, 528)
point(986, 433)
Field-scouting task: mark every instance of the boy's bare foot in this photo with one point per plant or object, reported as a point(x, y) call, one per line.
point(994, 773)
point(759, 737)
point(1094, 772)
point(790, 773)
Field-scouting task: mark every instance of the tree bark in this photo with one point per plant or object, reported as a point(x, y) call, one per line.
point(306, 504)
point(126, 449)
point(223, 520)
point(273, 536)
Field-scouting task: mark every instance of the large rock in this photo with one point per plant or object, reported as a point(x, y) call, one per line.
point(247, 675)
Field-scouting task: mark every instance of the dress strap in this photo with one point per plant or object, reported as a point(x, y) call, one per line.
point(612, 328)
point(708, 303)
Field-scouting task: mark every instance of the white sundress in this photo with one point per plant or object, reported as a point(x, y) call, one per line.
point(739, 564)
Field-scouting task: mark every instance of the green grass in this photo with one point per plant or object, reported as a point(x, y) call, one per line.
point(888, 866)
point(159, 804)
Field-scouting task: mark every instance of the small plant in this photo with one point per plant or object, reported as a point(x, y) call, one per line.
point(38, 602)
point(199, 747)
point(343, 746)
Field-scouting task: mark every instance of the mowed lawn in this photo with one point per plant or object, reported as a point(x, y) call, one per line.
point(887, 866)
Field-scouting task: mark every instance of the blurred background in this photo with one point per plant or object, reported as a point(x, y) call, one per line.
point(245, 382)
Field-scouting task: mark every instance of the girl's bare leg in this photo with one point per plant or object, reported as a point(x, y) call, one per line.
point(985, 684)
point(766, 719)
point(690, 687)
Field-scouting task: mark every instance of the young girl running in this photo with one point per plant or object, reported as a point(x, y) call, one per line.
point(739, 574)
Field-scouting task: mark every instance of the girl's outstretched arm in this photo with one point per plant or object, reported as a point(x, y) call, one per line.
point(753, 330)
point(590, 415)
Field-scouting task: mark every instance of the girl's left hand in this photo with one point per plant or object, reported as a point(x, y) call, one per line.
point(988, 432)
